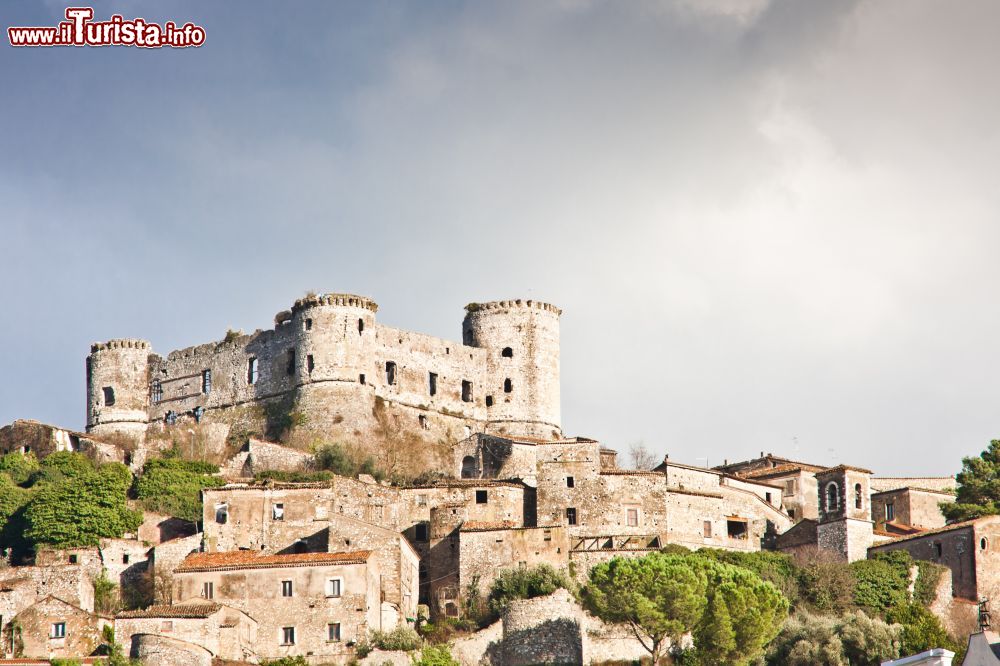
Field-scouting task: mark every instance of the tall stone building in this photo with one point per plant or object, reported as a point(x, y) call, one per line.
point(328, 359)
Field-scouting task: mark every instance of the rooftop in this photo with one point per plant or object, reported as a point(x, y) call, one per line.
point(251, 559)
point(193, 610)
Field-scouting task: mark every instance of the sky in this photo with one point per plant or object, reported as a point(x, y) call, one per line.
point(772, 225)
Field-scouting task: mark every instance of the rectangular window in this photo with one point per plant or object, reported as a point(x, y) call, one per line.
point(206, 381)
point(59, 630)
point(547, 535)
point(278, 511)
point(890, 511)
point(157, 392)
point(570, 482)
point(286, 588)
point(466, 391)
point(481, 497)
point(789, 487)
point(109, 395)
point(432, 383)
point(208, 590)
point(767, 496)
point(311, 364)
point(333, 631)
point(252, 371)
point(706, 529)
point(167, 625)
point(421, 500)
point(288, 635)
point(791, 513)
point(390, 373)
point(632, 517)
point(290, 367)
point(125, 558)
point(420, 533)
point(571, 515)
point(937, 549)
point(308, 324)
point(333, 587)
point(737, 529)
point(222, 513)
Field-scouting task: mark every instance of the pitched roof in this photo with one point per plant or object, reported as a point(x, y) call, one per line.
point(940, 530)
point(193, 610)
point(251, 559)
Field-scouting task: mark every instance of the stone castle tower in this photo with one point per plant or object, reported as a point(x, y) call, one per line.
point(329, 359)
point(845, 521)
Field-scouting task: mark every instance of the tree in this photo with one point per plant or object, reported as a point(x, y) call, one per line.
point(851, 640)
point(79, 511)
point(743, 615)
point(660, 597)
point(640, 457)
point(978, 486)
point(173, 486)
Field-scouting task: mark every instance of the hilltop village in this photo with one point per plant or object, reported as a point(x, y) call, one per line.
point(356, 479)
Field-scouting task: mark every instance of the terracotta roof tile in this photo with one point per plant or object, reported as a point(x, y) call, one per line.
point(250, 559)
point(193, 611)
point(938, 530)
point(484, 526)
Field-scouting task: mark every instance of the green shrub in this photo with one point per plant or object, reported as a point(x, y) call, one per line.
point(537, 581)
point(402, 638)
point(928, 576)
point(79, 511)
point(19, 466)
point(851, 640)
point(286, 661)
point(173, 486)
point(921, 629)
point(435, 655)
point(882, 582)
point(825, 584)
point(775, 568)
point(62, 465)
point(64, 662)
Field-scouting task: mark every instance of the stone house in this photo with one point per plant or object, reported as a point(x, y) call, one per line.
point(51, 628)
point(896, 510)
point(227, 633)
point(164, 559)
point(315, 605)
point(968, 548)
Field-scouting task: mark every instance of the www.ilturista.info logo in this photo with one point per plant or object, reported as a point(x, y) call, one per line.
point(80, 30)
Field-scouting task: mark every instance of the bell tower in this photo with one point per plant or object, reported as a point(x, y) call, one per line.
point(845, 519)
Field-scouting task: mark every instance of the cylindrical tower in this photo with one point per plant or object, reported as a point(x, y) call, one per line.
point(335, 335)
point(521, 339)
point(118, 387)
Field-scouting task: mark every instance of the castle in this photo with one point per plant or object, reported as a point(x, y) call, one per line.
point(331, 359)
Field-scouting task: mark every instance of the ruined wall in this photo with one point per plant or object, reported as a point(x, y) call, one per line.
point(21, 587)
point(166, 557)
point(544, 630)
point(942, 483)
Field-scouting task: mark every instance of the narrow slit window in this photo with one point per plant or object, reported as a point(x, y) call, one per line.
point(290, 367)
point(857, 495)
point(361, 326)
point(432, 383)
point(206, 381)
point(571, 515)
point(310, 363)
point(390, 373)
point(286, 588)
point(252, 370)
point(706, 529)
point(489, 401)
point(466, 391)
point(208, 590)
point(157, 392)
point(361, 379)
point(508, 385)
point(308, 323)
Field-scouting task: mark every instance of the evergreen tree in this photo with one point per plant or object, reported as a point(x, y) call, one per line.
point(978, 486)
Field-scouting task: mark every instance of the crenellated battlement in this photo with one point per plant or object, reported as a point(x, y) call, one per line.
point(343, 300)
point(511, 304)
point(120, 343)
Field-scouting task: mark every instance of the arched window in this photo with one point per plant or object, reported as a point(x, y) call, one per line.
point(984, 543)
point(507, 352)
point(857, 495)
point(468, 467)
point(832, 497)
